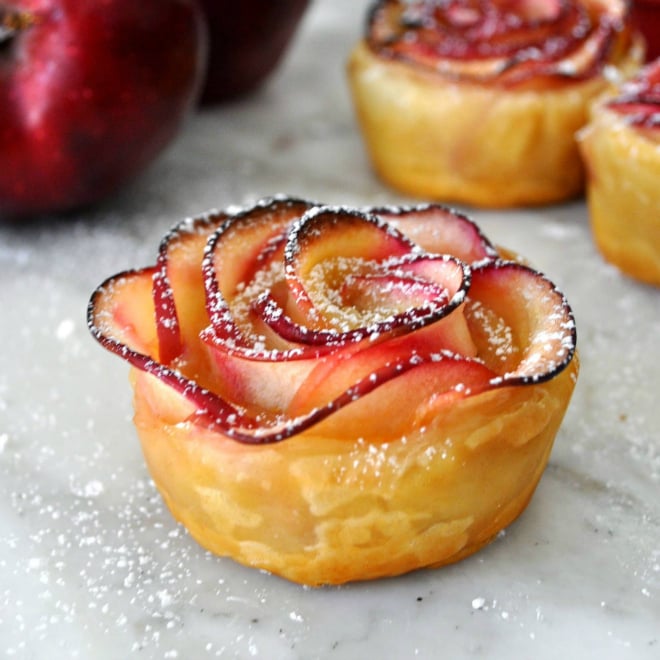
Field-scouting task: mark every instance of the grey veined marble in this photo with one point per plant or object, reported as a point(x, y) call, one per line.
point(93, 566)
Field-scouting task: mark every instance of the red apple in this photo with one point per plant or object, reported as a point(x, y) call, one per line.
point(90, 94)
point(247, 42)
point(646, 17)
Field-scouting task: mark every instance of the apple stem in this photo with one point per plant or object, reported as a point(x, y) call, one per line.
point(13, 21)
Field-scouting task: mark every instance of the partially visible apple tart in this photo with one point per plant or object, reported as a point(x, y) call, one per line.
point(621, 147)
point(336, 394)
point(479, 102)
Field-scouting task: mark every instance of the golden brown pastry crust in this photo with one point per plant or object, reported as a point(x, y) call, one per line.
point(623, 192)
point(320, 510)
point(433, 136)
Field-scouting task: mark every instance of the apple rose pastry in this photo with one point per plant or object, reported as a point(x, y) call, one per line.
point(478, 101)
point(334, 394)
point(621, 147)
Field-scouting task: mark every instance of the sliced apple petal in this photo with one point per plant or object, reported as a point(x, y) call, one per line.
point(178, 287)
point(409, 397)
point(367, 292)
point(259, 383)
point(513, 310)
point(245, 246)
point(339, 372)
point(332, 235)
point(418, 385)
point(121, 310)
point(121, 318)
point(439, 230)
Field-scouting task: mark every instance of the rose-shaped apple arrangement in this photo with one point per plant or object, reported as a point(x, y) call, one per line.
point(335, 394)
point(621, 147)
point(479, 102)
point(90, 94)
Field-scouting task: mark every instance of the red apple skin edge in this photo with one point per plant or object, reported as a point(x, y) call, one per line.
point(90, 94)
point(247, 41)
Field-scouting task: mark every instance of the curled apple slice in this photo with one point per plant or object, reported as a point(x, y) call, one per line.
point(122, 317)
point(523, 326)
point(440, 230)
point(343, 365)
point(181, 316)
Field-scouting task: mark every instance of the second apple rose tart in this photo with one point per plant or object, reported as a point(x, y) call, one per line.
point(621, 148)
point(478, 101)
point(336, 394)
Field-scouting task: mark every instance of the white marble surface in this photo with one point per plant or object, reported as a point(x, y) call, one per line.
point(93, 566)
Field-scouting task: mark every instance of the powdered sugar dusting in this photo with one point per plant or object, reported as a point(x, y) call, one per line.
point(113, 576)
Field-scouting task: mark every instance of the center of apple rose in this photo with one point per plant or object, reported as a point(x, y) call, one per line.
point(12, 22)
point(350, 292)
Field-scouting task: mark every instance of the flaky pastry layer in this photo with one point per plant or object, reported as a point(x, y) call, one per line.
point(318, 509)
point(489, 146)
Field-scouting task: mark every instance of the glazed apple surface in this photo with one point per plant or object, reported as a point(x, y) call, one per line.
point(90, 94)
point(247, 41)
point(323, 392)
